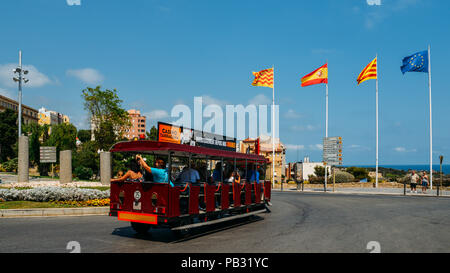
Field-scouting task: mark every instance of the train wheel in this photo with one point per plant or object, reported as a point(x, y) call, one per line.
point(140, 228)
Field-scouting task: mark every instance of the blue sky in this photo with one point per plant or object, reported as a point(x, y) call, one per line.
point(161, 53)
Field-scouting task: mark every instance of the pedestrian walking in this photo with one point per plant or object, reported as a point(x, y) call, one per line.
point(424, 182)
point(413, 184)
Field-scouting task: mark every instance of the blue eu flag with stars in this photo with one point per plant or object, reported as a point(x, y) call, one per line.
point(417, 62)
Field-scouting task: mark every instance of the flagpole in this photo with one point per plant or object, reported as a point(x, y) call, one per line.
point(326, 131)
point(273, 128)
point(376, 95)
point(431, 120)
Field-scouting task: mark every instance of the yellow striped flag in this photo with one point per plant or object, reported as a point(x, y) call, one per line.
point(369, 72)
point(263, 78)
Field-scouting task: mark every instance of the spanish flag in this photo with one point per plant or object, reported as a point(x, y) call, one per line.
point(369, 72)
point(263, 78)
point(320, 75)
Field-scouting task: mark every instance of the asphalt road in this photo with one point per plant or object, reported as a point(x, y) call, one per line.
point(299, 222)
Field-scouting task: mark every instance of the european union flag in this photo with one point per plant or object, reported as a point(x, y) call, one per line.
point(416, 63)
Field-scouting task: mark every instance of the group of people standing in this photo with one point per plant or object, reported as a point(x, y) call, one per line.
point(419, 179)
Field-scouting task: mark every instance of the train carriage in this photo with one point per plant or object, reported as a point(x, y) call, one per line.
point(181, 205)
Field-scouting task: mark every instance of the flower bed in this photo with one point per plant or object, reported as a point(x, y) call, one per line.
point(45, 194)
point(89, 203)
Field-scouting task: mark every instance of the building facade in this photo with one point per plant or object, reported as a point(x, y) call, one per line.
point(29, 115)
point(265, 149)
point(47, 117)
point(306, 168)
point(138, 124)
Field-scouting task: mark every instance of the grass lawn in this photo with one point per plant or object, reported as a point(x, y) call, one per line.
point(30, 205)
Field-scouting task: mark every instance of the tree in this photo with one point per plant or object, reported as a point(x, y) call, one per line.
point(34, 132)
point(319, 171)
point(8, 134)
point(153, 134)
point(86, 158)
point(63, 136)
point(109, 118)
point(84, 135)
point(358, 173)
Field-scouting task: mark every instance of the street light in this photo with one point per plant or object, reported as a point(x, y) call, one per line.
point(20, 79)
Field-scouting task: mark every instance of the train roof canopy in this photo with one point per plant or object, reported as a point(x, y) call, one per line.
point(162, 148)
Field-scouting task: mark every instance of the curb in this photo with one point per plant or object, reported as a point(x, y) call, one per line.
point(364, 193)
point(11, 213)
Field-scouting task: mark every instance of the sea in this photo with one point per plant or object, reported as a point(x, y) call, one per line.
point(445, 168)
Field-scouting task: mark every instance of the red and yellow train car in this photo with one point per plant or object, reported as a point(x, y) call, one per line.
point(182, 205)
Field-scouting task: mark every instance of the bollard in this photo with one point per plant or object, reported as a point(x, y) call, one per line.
point(23, 160)
point(404, 188)
point(65, 169)
point(105, 168)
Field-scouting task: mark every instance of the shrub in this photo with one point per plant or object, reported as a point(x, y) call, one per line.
point(358, 173)
point(344, 177)
point(11, 165)
point(316, 180)
point(83, 173)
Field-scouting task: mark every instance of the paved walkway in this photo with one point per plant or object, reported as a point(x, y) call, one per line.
point(368, 190)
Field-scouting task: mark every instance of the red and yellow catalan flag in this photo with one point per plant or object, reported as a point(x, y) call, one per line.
point(320, 75)
point(369, 72)
point(263, 78)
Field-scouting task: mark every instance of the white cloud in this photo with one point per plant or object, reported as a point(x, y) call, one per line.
point(374, 2)
point(260, 99)
point(8, 94)
point(37, 79)
point(294, 147)
point(307, 128)
point(156, 115)
point(316, 147)
point(86, 75)
point(208, 100)
point(404, 150)
point(291, 114)
point(357, 147)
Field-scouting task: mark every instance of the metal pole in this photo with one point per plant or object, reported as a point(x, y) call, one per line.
point(441, 159)
point(334, 179)
point(326, 133)
point(376, 157)
point(431, 119)
point(20, 93)
point(273, 128)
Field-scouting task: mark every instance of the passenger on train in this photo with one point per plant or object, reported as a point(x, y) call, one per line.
point(253, 174)
point(189, 174)
point(134, 174)
point(217, 173)
point(159, 173)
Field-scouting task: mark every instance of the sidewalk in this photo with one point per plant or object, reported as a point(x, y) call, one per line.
point(367, 190)
point(13, 213)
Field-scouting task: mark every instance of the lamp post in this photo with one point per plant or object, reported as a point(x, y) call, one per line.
point(441, 159)
point(20, 79)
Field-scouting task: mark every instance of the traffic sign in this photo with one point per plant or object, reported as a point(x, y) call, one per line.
point(47, 154)
point(332, 150)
